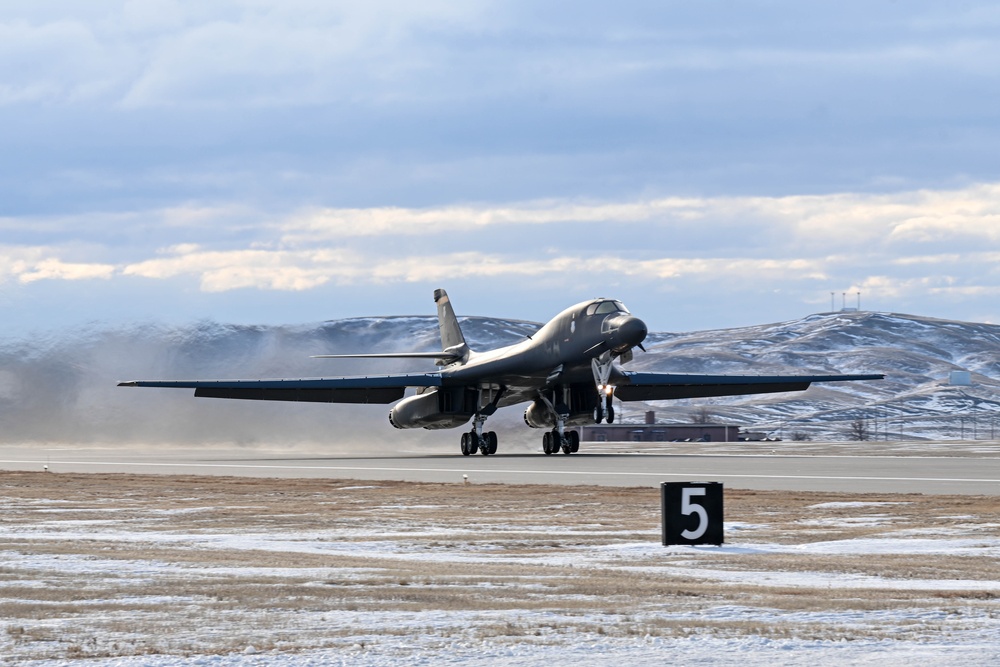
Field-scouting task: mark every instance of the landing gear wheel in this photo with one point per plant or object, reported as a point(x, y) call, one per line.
point(610, 409)
point(491, 442)
point(598, 413)
point(547, 443)
point(466, 450)
point(557, 442)
point(574, 441)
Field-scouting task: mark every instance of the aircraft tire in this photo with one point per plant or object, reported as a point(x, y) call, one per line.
point(611, 414)
point(547, 443)
point(598, 414)
point(491, 438)
point(574, 441)
point(466, 450)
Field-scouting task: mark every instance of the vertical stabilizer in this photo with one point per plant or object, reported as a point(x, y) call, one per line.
point(451, 333)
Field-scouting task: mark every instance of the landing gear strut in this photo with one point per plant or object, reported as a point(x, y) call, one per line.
point(605, 392)
point(477, 440)
point(559, 438)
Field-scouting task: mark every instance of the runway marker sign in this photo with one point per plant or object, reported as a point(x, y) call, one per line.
point(692, 513)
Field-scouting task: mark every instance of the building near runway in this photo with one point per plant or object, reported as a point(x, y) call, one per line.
point(650, 431)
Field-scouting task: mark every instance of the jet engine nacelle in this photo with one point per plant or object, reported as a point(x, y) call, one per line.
point(432, 410)
point(538, 415)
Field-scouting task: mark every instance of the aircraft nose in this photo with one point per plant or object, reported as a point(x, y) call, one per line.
point(625, 332)
point(632, 331)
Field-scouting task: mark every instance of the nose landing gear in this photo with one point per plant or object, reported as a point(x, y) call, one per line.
point(605, 392)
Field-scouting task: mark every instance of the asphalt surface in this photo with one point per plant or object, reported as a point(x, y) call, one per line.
point(967, 471)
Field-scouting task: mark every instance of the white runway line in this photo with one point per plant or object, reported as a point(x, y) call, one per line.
point(522, 472)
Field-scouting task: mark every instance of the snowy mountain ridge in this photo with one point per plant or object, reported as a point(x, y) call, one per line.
point(63, 385)
point(917, 355)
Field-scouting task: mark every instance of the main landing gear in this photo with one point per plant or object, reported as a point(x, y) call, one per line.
point(484, 443)
point(568, 442)
point(477, 440)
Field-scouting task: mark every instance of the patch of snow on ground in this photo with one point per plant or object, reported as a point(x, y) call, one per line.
point(852, 504)
point(962, 635)
point(970, 650)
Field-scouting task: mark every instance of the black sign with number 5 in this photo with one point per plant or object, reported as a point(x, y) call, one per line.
point(692, 512)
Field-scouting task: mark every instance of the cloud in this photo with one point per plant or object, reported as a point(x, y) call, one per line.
point(31, 264)
point(793, 249)
point(172, 53)
point(322, 107)
point(922, 287)
point(220, 271)
point(306, 269)
point(55, 269)
point(59, 60)
point(230, 247)
point(164, 53)
point(325, 224)
point(836, 220)
point(983, 258)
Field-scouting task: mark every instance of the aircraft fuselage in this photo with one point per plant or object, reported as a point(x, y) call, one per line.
point(559, 353)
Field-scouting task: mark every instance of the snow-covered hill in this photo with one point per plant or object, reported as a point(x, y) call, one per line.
point(62, 386)
point(917, 355)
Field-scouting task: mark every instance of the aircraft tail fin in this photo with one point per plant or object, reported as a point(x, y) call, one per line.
point(452, 339)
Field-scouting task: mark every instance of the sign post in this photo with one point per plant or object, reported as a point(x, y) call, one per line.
point(692, 512)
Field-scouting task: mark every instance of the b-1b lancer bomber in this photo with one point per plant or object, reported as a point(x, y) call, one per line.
point(567, 372)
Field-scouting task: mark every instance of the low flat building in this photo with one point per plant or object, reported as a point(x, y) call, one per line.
point(653, 432)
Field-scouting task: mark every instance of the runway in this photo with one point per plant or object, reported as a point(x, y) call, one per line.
point(967, 473)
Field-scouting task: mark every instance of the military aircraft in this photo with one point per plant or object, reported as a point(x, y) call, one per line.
point(566, 372)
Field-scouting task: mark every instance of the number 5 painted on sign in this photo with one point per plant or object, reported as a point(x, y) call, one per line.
point(692, 513)
point(688, 508)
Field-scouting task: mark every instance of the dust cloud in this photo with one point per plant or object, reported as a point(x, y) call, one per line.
point(60, 387)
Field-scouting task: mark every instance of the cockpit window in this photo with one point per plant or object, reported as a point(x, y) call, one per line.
point(605, 307)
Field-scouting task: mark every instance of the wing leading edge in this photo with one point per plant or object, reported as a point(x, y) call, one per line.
point(637, 386)
point(356, 389)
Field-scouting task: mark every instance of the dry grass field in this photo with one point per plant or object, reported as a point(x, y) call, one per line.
point(99, 565)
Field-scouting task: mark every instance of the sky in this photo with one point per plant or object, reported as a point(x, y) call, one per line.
point(711, 164)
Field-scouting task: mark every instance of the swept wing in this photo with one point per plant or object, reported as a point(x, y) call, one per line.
point(354, 389)
point(636, 386)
